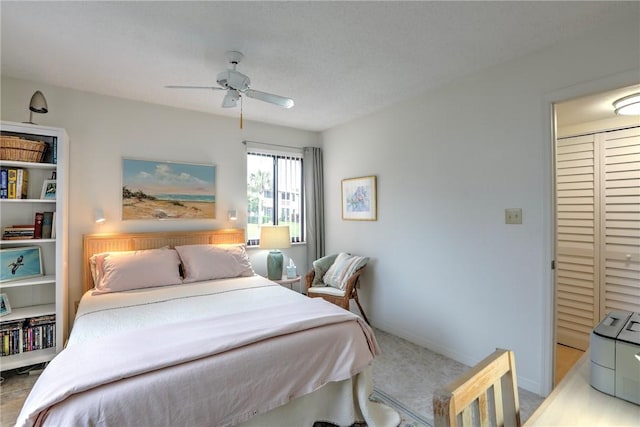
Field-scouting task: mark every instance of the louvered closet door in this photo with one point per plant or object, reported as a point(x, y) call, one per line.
point(577, 225)
point(620, 246)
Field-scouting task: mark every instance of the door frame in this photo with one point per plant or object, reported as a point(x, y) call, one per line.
point(603, 84)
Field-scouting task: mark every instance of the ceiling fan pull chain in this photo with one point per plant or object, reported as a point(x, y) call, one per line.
point(241, 113)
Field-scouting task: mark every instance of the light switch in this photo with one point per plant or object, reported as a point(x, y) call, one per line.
point(513, 216)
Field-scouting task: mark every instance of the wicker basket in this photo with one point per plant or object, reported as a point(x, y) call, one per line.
point(16, 148)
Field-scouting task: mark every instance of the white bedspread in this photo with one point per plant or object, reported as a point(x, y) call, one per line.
point(210, 353)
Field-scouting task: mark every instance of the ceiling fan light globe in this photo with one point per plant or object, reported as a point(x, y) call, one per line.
point(231, 79)
point(231, 99)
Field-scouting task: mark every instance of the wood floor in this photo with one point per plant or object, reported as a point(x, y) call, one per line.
point(566, 357)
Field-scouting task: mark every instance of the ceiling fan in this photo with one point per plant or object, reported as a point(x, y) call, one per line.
point(237, 84)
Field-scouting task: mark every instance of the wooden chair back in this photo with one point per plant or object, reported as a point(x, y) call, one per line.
point(486, 395)
point(351, 291)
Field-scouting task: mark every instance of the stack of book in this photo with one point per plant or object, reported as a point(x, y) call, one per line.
point(34, 333)
point(18, 232)
point(10, 334)
point(39, 333)
point(43, 227)
point(14, 183)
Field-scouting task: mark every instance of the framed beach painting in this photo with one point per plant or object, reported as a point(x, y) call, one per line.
point(20, 263)
point(359, 199)
point(167, 190)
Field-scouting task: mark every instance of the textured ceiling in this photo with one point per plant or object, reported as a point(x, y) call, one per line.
point(337, 60)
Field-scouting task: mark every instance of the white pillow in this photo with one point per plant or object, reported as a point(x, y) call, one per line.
point(96, 259)
point(342, 269)
point(209, 262)
point(124, 271)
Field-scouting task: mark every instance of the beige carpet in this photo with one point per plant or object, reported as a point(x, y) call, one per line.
point(404, 376)
point(409, 374)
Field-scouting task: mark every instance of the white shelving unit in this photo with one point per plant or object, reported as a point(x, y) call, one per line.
point(46, 294)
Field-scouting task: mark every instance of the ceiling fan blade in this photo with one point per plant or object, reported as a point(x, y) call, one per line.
point(269, 97)
point(231, 99)
point(193, 87)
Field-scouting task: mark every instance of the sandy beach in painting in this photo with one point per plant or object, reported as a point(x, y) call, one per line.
point(165, 209)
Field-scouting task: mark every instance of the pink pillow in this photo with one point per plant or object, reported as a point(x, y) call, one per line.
point(209, 262)
point(125, 271)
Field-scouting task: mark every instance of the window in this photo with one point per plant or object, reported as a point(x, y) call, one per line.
point(274, 194)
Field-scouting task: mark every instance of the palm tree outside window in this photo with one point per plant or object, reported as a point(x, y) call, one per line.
point(274, 194)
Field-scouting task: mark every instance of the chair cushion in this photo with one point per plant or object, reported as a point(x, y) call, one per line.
point(320, 267)
point(326, 290)
point(342, 269)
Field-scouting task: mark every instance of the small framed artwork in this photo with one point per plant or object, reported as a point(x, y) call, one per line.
point(48, 189)
point(359, 199)
point(20, 263)
point(5, 307)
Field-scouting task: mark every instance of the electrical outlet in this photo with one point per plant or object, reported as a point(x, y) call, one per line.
point(513, 216)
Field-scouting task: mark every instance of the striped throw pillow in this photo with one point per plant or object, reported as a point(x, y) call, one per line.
point(342, 269)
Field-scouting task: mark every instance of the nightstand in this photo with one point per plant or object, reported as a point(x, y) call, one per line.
point(289, 282)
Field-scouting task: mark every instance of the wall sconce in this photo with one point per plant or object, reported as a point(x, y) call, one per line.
point(628, 105)
point(232, 215)
point(98, 216)
point(38, 105)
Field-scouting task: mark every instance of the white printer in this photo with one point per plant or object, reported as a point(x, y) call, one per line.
point(615, 355)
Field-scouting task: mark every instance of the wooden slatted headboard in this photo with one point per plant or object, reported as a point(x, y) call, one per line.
point(96, 243)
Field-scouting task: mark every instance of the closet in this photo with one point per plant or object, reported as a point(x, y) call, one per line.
point(597, 230)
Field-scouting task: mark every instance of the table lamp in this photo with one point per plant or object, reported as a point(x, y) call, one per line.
point(274, 237)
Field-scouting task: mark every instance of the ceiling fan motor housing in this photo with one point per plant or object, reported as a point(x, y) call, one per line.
point(231, 79)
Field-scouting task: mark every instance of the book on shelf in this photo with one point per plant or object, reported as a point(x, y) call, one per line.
point(17, 232)
point(12, 183)
point(51, 153)
point(53, 226)
point(22, 184)
point(11, 334)
point(29, 334)
point(4, 182)
point(37, 225)
point(40, 320)
point(54, 151)
point(47, 222)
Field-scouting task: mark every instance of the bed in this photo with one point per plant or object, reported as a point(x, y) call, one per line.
point(220, 347)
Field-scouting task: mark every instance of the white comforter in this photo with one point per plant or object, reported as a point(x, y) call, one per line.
point(211, 353)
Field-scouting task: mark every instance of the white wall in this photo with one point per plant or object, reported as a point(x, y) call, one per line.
point(104, 129)
point(446, 272)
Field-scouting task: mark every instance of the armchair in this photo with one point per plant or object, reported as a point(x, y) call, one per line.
point(340, 297)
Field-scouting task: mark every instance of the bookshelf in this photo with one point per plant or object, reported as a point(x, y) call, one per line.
point(46, 294)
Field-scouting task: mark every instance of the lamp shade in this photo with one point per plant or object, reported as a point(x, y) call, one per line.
point(38, 103)
point(275, 237)
point(628, 106)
